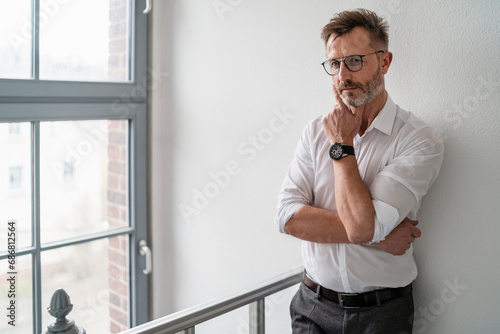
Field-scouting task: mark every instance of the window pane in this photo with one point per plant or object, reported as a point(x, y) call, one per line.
point(15, 39)
point(22, 299)
point(15, 181)
point(84, 40)
point(84, 177)
point(95, 276)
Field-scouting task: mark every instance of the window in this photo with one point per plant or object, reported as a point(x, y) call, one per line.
point(75, 40)
point(73, 92)
point(15, 177)
point(14, 129)
point(66, 174)
point(15, 40)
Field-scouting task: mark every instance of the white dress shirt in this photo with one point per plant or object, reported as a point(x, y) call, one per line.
point(399, 157)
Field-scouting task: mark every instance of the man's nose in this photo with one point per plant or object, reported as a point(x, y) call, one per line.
point(344, 74)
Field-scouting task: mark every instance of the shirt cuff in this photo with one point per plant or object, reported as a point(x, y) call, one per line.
point(285, 215)
point(386, 219)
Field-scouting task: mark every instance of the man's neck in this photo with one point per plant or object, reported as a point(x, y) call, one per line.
point(371, 111)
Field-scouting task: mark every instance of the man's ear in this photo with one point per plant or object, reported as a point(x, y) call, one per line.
point(386, 61)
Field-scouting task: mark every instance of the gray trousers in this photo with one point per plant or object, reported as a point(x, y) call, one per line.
point(313, 314)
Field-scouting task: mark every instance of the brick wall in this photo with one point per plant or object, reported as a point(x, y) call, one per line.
point(117, 190)
point(118, 54)
point(117, 213)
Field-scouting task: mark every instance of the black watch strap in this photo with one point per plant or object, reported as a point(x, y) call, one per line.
point(349, 150)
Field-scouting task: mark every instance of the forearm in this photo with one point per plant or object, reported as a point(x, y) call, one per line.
point(353, 200)
point(324, 226)
point(316, 225)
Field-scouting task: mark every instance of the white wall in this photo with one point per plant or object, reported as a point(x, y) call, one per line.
point(231, 69)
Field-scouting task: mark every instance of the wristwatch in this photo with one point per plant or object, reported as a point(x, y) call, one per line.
point(338, 151)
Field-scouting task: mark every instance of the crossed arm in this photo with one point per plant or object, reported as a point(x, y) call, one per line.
point(328, 228)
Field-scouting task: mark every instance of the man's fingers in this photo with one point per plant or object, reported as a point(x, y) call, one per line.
point(328, 120)
point(340, 103)
point(408, 220)
point(415, 232)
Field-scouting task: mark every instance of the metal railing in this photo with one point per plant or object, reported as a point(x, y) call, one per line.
point(185, 321)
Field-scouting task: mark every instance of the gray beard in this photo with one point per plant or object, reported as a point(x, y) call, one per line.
point(373, 88)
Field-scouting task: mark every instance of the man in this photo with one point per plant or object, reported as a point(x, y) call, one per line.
point(353, 190)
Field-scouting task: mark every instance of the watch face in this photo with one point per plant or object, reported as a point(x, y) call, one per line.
point(336, 151)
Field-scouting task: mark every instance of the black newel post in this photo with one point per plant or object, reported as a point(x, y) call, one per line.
point(60, 306)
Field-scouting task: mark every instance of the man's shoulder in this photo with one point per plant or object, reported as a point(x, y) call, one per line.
point(314, 126)
point(316, 122)
point(412, 127)
point(313, 134)
point(410, 121)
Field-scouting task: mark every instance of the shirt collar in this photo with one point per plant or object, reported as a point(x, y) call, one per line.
point(385, 118)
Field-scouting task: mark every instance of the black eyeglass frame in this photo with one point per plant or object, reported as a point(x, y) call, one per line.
point(347, 66)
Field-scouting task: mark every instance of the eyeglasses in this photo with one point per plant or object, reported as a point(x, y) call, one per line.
point(352, 63)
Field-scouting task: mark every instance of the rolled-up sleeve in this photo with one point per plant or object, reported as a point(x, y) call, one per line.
point(399, 187)
point(296, 190)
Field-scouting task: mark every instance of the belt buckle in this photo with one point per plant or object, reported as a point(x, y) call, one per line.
point(341, 299)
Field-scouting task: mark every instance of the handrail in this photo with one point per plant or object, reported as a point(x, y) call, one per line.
point(187, 319)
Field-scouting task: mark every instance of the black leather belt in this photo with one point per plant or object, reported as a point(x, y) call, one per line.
point(356, 300)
